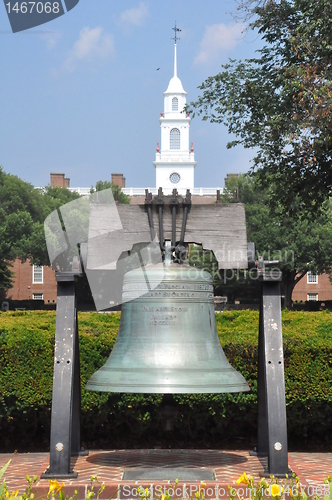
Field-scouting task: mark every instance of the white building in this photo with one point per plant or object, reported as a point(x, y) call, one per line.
point(175, 162)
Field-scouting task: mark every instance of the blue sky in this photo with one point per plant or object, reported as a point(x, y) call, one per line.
point(82, 94)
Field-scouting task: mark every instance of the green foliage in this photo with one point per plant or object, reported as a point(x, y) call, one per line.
point(2, 471)
point(23, 210)
point(58, 196)
point(118, 420)
point(101, 185)
point(298, 242)
point(281, 101)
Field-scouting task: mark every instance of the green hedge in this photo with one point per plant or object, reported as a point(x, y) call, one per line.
point(131, 420)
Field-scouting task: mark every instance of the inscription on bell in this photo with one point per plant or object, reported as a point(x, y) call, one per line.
point(184, 286)
point(161, 319)
point(164, 309)
point(170, 286)
point(171, 295)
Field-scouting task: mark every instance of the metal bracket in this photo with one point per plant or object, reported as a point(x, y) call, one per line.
point(178, 249)
point(160, 207)
point(148, 204)
point(174, 209)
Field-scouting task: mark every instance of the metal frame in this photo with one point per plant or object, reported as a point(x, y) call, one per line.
point(271, 400)
point(66, 399)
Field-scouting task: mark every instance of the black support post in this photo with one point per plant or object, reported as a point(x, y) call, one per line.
point(272, 422)
point(66, 399)
point(262, 431)
point(76, 412)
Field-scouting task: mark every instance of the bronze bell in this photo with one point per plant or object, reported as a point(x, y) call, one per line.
point(167, 341)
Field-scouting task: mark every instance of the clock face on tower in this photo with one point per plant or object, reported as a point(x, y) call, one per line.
point(174, 178)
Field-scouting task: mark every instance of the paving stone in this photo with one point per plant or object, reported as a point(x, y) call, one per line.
point(109, 467)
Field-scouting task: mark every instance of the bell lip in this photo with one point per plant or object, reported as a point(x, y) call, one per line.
point(164, 391)
point(117, 382)
point(174, 389)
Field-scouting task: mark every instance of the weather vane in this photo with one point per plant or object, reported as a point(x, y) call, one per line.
point(175, 32)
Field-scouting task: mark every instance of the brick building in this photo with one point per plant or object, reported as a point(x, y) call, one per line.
point(32, 283)
point(313, 287)
point(36, 282)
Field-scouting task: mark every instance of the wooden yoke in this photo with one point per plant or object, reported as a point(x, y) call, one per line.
point(220, 228)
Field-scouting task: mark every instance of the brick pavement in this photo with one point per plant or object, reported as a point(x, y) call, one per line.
point(108, 466)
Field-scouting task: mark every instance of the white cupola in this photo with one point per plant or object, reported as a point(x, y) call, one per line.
point(174, 162)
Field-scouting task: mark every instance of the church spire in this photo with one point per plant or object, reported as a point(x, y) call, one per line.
point(175, 85)
point(176, 30)
point(175, 161)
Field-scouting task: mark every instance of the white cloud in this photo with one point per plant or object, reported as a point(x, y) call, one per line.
point(92, 44)
point(134, 17)
point(51, 38)
point(217, 39)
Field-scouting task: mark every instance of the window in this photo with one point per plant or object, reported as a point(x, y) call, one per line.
point(175, 138)
point(37, 274)
point(312, 297)
point(37, 296)
point(312, 278)
point(175, 104)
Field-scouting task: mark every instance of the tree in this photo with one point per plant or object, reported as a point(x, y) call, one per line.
point(23, 210)
point(57, 196)
point(281, 101)
point(121, 197)
point(299, 243)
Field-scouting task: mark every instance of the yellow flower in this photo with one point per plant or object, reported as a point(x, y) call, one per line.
point(55, 486)
point(290, 493)
point(203, 484)
point(243, 479)
point(162, 497)
point(276, 490)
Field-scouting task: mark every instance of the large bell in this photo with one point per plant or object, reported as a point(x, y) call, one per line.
point(167, 340)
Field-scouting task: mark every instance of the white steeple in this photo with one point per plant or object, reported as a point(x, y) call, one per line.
point(174, 162)
point(175, 85)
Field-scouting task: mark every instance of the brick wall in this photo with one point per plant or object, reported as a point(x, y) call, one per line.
point(59, 180)
point(119, 180)
point(323, 288)
point(23, 287)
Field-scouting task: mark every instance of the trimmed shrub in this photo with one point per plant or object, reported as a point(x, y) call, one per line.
point(133, 420)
